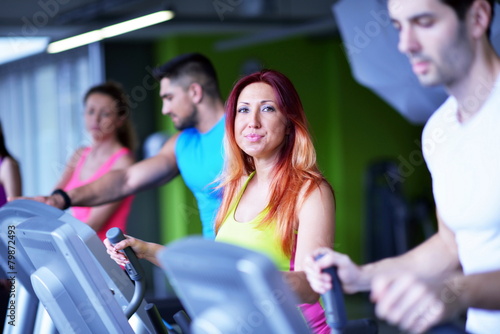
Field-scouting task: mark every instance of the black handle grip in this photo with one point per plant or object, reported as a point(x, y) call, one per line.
point(333, 300)
point(134, 268)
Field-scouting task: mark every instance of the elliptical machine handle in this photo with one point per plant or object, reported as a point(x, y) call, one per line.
point(335, 312)
point(134, 268)
point(333, 300)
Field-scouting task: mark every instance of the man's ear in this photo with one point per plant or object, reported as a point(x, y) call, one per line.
point(195, 92)
point(480, 17)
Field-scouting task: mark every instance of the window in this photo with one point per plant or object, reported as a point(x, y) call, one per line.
point(42, 99)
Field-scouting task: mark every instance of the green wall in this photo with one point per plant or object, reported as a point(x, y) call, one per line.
point(350, 126)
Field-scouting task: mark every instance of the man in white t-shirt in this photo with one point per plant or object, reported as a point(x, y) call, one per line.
point(457, 269)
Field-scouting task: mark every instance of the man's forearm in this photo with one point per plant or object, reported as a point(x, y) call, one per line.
point(109, 188)
point(432, 259)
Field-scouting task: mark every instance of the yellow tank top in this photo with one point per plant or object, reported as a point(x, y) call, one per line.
point(251, 236)
point(263, 240)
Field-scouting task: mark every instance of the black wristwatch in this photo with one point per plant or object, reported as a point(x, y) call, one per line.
point(64, 195)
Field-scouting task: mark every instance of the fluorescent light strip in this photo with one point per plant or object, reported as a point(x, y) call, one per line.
point(75, 41)
point(138, 23)
point(110, 31)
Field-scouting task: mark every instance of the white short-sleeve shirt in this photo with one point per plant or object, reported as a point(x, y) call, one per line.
point(464, 161)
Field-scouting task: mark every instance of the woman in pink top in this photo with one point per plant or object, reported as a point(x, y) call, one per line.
point(108, 124)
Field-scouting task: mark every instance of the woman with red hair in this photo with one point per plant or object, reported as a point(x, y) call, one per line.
point(275, 199)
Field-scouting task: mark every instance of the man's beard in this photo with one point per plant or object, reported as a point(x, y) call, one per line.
point(190, 121)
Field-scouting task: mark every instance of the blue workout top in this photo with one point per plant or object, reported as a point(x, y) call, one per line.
point(200, 158)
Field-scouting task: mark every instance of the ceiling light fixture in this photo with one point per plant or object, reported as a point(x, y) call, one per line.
point(110, 31)
point(14, 48)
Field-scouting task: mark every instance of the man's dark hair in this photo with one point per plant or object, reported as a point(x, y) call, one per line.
point(461, 7)
point(188, 68)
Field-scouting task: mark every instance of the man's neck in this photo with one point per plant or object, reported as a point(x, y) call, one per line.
point(209, 116)
point(472, 92)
